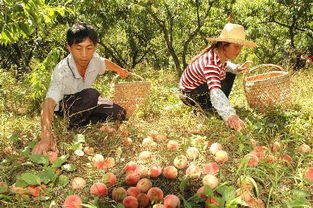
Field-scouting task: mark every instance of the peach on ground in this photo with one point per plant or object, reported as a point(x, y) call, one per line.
point(155, 170)
point(246, 195)
point(34, 191)
point(130, 202)
point(210, 180)
point(309, 174)
point(211, 201)
point(171, 201)
point(215, 147)
point(142, 171)
point(143, 200)
point(271, 159)
point(88, 150)
point(118, 194)
point(192, 153)
point(155, 194)
point(286, 159)
point(193, 171)
point(109, 179)
point(253, 159)
point(123, 130)
point(200, 193)
point(146, 142)
point(127, 141)
point(78, 183)
point(133, 191)
point(130, 167)
point(153, 146)
point(255, 202)
point(52, 156)
point(144, 185)
point(245, 183)
point(98, 161)
point(181, 162)
point(172, 145)
point(158, 206)
point(107, 129)
point(276, 146)
point(221, 156)
point(132, 178)
point(73, 201)
point(170, 172)
point(109, 162)
point(160, 137)
point(99, 189)
point(145, 155)
point(211, 168)
point(261, 149)
point(304, 149)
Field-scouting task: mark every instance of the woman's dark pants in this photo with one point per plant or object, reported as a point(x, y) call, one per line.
point(201, 97)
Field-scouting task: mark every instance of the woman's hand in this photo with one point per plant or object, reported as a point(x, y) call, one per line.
point(244, 66)
point(234, 122)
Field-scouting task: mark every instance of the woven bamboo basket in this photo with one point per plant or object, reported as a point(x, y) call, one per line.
point(130, 95)
point(267, 90)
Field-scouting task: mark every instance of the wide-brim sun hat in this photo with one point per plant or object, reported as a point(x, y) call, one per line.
point(233, 33)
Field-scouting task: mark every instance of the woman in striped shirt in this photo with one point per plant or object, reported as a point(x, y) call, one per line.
point(209, 77)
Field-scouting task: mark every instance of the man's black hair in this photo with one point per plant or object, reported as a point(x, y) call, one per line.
point(79, 32)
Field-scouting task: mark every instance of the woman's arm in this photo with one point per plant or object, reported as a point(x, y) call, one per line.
point(225, 110)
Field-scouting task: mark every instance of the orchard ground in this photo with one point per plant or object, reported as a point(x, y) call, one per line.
point(278, 183)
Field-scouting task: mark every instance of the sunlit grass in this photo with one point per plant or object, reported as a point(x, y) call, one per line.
point(164, 113)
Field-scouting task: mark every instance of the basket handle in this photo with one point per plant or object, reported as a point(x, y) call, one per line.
point(130, 74)
point(262, 66)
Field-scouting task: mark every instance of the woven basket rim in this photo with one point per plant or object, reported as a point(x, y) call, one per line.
point(280, 75)
point(134, 82)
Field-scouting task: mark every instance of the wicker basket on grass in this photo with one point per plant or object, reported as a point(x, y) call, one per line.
point(130, 95)
point(267, 90)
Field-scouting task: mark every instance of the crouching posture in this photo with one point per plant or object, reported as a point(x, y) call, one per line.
point(70, 94)
point(208, 79)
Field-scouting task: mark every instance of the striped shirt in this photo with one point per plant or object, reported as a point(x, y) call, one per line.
point(207, 68)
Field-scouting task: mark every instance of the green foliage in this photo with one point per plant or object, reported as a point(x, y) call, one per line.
point(39, 159)
point(21, 19)
point(155, 33)
point(39, 78)
point(280, 28)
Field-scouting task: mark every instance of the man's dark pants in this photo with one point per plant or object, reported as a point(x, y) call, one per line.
point(82, 108)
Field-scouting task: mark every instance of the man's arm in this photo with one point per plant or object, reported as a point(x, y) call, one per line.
point(47, 141)
point(114, 67)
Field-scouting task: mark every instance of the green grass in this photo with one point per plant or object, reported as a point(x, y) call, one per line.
point(277, 185)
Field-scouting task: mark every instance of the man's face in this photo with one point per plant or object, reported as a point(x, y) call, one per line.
point(82, 52)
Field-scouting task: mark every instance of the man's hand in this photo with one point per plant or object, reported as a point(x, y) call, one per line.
point(244, 66)
point(44, 146)
point(123, 73)
point(234, 122)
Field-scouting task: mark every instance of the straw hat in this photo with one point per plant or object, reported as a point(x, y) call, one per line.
point(234, 33)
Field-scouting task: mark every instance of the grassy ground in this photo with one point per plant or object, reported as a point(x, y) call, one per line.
point(276, 184)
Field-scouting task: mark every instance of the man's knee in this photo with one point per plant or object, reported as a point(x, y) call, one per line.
point(90, 94)
point(120, 113)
